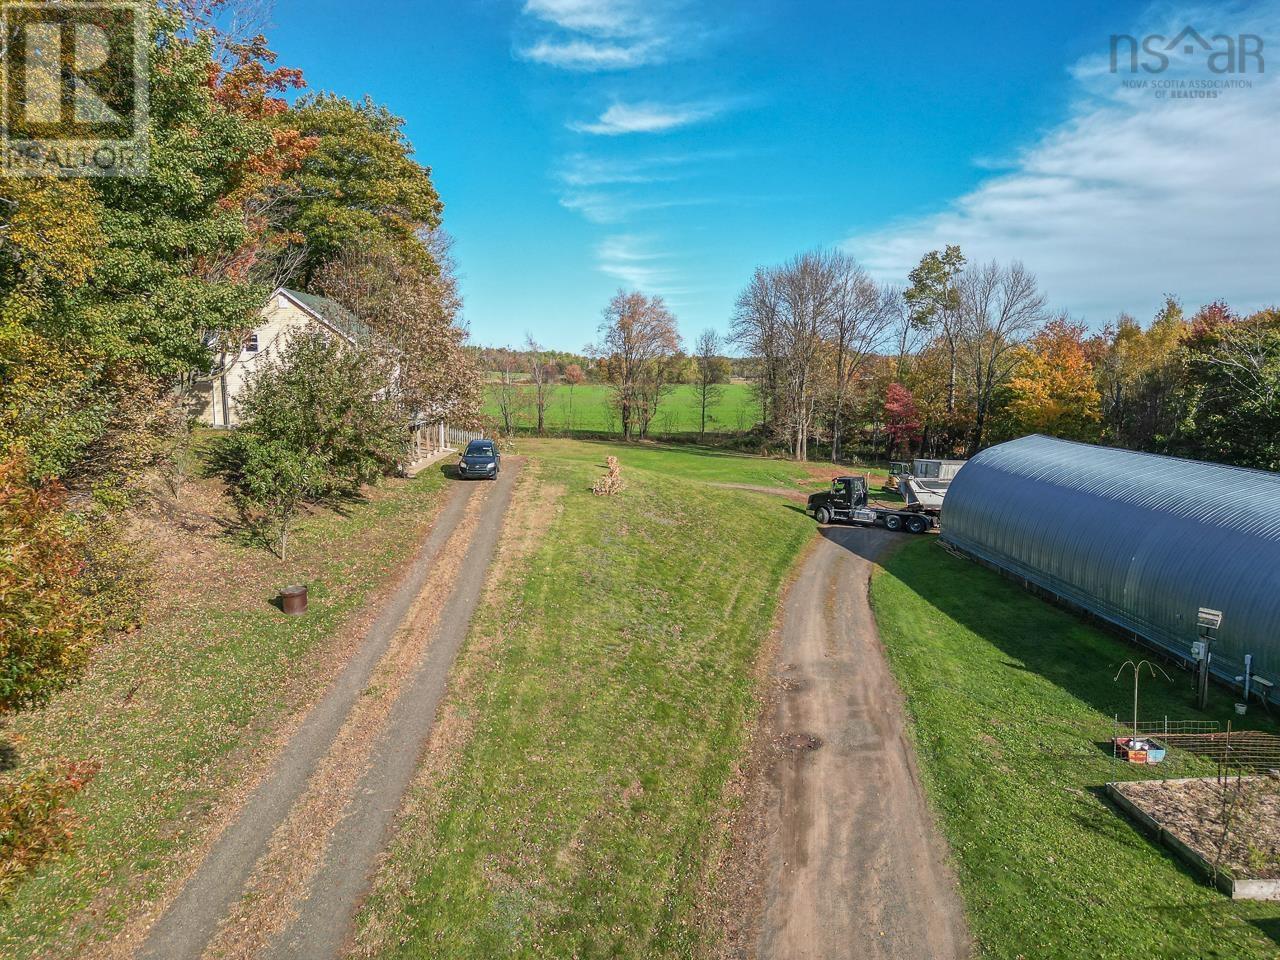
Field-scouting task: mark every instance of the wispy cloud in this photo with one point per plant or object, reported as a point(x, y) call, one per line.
point(590, 54)
point(650, 117)
point(583, 170)
point(602, 207)
point(1137, 194)
point(592, 35)
point(587, 170)
point(609, 18)
point(631, 259)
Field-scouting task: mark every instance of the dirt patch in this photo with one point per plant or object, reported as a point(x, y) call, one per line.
point(801, 741)
point(734, 884)
point(799, 496)
point(1234, 823)
point(828, 472)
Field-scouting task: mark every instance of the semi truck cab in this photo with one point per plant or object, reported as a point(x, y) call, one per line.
point(846, 502)
point(846, 498)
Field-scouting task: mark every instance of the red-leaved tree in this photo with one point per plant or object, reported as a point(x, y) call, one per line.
point(902, 421)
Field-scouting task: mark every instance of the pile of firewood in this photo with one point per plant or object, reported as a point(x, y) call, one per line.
point(611, 482)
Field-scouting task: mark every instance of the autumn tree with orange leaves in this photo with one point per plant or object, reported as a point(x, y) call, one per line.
point(1054, 390)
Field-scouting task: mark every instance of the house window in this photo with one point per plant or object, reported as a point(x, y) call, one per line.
point(251, 343)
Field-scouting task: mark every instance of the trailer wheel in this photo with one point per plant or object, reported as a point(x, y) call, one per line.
point(892, 522)
point(822, 515)
point(917, 524)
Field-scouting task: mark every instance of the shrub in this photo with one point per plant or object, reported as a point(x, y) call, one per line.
point(319, 421)
point(269, 481)
point(48, 623)
point(35, 819)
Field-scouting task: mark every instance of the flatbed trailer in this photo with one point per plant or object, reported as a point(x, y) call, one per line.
point(847, 502)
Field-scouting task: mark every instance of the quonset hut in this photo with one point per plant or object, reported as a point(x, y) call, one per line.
point(1139, 540)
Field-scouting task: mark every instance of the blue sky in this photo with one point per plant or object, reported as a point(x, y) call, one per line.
point(583, 145)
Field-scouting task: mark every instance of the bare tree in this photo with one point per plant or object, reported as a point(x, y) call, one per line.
point(861, 313)
point(1000, 308)
point(508, 393)
point(543, 377)
point(906, 335)
point(755, 329)
point(227, 23)
point(573, 376)
point(638, 341)
point(786, 314)
point(712, 372)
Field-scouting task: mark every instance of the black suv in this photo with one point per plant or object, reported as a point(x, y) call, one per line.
point(480, 459)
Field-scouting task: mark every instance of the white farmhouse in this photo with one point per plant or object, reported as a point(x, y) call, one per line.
point(286, 312)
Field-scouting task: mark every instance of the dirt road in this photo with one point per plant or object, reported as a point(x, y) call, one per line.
point(853, 865)
point(285, 877)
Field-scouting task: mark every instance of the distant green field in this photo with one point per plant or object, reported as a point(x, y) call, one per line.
point(588, 408)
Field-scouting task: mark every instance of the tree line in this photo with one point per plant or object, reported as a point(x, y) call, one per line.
point(963, 355)
point(117, 294)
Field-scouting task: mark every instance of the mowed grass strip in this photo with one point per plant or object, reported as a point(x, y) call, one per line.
point(1012, 700)
point(616, 692)
point(172, 711)
point(696, 463)
point(588, 408)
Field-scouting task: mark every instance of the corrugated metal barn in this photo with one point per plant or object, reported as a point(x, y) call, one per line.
point(1137, 539)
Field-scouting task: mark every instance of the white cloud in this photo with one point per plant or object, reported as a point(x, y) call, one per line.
point(1133, 196)
point(607, 208)
point(608, 18)
point(582, 170)
point(612, 190)
point(594, 35)
point(585, 170)
point(648, 117)
point(590, 54)
point(631, 260)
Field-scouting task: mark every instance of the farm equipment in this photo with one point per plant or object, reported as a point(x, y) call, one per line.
point(932, 475)
point(897, 470)
point(846, 502)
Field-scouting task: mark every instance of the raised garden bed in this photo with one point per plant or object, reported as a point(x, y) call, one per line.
point(1188, 817)
point(1139, 750)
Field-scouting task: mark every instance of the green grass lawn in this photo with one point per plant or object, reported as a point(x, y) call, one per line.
point(703, 464)
point(171, 711)
point(610, 695)
point(1009, 697)
point(588, 409)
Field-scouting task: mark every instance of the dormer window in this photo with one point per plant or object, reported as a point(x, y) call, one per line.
point(251, 343)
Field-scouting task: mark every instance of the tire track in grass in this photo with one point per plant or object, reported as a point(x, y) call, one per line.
point(532, 515)
point(193, 911)
point(324, 923)
point(283, 875)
